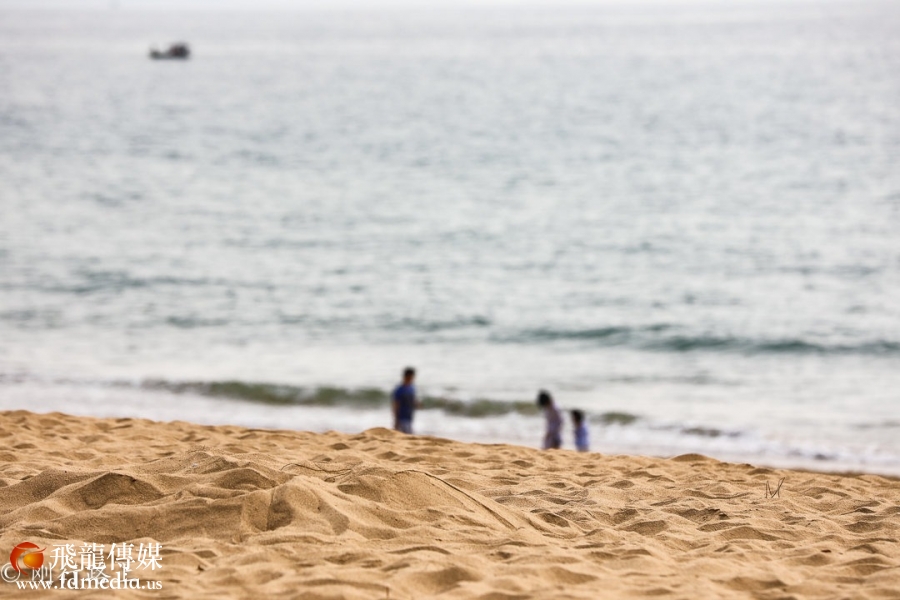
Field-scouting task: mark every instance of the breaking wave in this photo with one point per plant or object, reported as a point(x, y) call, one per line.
point(338, 397)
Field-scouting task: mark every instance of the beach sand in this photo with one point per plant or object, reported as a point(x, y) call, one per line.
point(243, 513)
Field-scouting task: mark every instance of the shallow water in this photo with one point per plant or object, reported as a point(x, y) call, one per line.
point(687, 215)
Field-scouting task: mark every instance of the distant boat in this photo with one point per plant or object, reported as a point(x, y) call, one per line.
point(175, 51)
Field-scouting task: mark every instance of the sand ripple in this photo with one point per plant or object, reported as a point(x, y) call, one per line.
point(247, 513)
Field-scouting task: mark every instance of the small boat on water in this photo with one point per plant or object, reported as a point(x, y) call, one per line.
point(175, 51)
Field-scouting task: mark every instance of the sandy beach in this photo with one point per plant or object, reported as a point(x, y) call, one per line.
point(240, 513)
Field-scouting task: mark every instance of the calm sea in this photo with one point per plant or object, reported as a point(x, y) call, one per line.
point(683, 219)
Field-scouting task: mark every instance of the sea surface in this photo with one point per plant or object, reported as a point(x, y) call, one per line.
point(682, 218)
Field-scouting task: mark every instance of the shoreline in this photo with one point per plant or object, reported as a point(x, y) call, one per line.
point(350, 410)
point(330, 515)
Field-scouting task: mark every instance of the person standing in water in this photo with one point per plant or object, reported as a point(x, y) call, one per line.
point(582, 440)
point(404, 402)
point(553, 434)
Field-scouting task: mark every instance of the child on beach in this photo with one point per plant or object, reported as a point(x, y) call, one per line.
point(403, 401)
point(582, 441)
point(553, 435)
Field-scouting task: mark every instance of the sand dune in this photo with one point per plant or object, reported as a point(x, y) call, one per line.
point(243, 513)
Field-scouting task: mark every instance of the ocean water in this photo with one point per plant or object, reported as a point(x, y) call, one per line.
point(681, 218)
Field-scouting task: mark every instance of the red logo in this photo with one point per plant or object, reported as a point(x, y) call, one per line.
point(28, 555)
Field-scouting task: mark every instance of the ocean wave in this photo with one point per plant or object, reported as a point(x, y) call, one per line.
point(274, 394)
point(85, 282)
point(441, 325)
point(782, 346)
point(708, 432)
point(610, 334)
point(277, 394)
point(886, 424)
point(658, 338)
point(195, 322)
point(366, 398)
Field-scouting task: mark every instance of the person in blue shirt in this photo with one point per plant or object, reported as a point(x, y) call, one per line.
point(582, 441)
point(404, 402)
